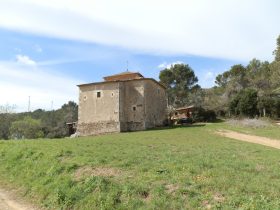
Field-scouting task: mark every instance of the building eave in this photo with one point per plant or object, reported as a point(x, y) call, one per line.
point(107, 82)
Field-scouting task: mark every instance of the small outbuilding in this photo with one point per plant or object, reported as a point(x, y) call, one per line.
point(182, 113)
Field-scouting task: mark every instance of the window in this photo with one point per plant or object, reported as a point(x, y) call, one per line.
point(134, 108)
point(85, 98)
point(112, 94)
point(98, 94)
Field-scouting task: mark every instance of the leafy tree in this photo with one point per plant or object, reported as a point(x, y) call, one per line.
point(6, 118)
point(245, 103)
point(277, 51)
point(56, 125)
point(53, 123)
point(215, 99)
point(180, 80)
point(28, 128)
point(201, 115)
point(7, 108)
point(233, 80)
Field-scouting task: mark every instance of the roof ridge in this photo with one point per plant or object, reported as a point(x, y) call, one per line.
point(123, 73)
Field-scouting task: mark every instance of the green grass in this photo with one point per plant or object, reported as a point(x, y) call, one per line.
point(179, 168)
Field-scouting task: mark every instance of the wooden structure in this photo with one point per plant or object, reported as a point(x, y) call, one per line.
point(72, 127)
point(182, 113)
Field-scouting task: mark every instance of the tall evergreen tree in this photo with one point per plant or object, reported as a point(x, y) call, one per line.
point(277, 51)
point(180, 81)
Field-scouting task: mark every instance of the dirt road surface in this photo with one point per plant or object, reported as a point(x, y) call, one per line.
point(8, 202)
point(250, 138)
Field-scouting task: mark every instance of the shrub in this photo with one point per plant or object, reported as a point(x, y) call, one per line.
point(28, 128)
point(202, 115)
point(245, 103)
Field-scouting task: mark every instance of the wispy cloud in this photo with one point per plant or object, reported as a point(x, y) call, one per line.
point(168, 65)
point(18, 82)
point(208, 79)
point(216, 28)
point(25, 60)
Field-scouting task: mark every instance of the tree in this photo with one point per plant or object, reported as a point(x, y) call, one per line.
point(180, 80)
point(245, 103)
point(215, 99)
point(259, 75)
point(6, 118)
point(55, 123)
point(7, 108)
point(277, 51)
point(233, 80)
point(28, 128)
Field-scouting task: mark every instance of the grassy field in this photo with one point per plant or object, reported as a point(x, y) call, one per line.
point(178, 168)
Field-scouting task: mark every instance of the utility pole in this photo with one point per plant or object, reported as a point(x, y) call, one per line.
point(127, 66)
point(28, 103)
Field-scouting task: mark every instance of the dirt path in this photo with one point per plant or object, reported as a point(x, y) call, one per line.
point(8, 202)
point(250, 138)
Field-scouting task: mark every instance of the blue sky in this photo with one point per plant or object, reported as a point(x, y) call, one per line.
point(48, 47)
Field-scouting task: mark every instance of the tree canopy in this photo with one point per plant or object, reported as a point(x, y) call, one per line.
point(180, 81)
point(277, 51)
point(52, 124)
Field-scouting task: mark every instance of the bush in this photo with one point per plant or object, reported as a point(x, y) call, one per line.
point(245, 103)
point(202, 115)
point(28, 128)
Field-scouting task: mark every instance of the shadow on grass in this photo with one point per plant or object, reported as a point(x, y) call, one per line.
point(177, 126)
point(202, 124)
point(219, 121)
point(186, 125)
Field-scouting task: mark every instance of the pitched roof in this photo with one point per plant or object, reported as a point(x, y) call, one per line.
point(184, 108)
point(106, 82)
point(124, 76)
point(125, 72)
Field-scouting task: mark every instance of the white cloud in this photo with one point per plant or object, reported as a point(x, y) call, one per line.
point(233, 29)
point(25, 60)
point(207, 79)
point(168, 65)
point(18, 82)
point(209, 75)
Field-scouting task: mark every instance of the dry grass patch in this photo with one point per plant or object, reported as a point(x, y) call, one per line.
point(88, 171)
point(260, 167)
point(171, 188)
point(251, 123)
point(206, 204)
point(218, 197)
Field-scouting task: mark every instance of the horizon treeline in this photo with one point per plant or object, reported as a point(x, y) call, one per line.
point(39, 123)
point(241, 91)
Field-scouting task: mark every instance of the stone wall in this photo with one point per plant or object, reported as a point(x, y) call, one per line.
point(121, 106)
point(90, 129)
point(104, 108)
point(132, 105)
point(98, 109)
point(155, 104)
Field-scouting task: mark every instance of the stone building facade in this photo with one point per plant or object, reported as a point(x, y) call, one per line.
point(122, 102)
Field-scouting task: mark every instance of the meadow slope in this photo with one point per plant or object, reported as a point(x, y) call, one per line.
point(178, 168)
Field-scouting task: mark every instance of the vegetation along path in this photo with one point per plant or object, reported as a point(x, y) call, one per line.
point(250, 138)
